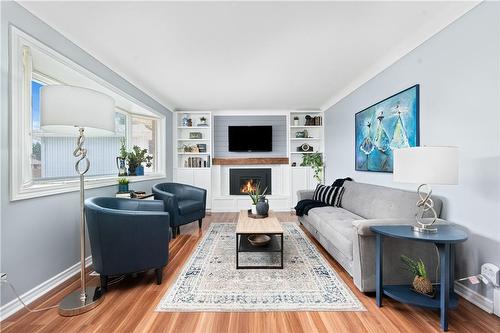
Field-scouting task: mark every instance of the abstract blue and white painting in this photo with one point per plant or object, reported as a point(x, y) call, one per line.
point(387, 125)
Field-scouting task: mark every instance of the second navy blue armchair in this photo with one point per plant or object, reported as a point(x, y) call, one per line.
point(185, 203)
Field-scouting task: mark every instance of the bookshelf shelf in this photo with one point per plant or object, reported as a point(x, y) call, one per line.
point(193, 167)
point(302, 177)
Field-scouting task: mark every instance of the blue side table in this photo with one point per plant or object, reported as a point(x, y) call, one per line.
point(445, 239)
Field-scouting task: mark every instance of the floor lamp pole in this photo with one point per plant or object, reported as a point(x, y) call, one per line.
point(85, 299)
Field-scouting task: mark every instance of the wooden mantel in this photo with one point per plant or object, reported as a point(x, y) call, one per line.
point(249, 160)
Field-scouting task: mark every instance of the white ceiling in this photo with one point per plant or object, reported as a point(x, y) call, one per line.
point(248, 55)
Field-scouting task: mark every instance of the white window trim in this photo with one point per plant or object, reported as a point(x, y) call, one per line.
point(22, 185)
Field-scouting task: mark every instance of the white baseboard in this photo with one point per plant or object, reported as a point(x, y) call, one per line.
point(479, 300)
point(31, 295)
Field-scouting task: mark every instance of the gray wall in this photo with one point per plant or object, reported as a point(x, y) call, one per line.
point(221, 123)
point(458, 73)
point(40, 237)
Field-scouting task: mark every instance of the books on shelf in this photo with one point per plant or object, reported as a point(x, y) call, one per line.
point(314, 121)
point(197, 162)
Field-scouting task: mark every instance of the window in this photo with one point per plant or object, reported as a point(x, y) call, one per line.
point(144, 136)
point(43, 163)
point(36, 154)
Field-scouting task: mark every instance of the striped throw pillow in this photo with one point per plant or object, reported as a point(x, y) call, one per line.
point(329, 195)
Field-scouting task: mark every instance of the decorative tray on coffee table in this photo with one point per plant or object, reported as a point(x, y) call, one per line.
point(256, 216)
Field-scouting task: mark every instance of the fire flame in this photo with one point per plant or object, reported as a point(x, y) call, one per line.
point(248, 187)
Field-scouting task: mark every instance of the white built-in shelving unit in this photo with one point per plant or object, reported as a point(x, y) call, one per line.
point(193, 168)
point(302, 177)
point(287, 179)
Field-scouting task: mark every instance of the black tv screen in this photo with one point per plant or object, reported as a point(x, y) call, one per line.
point(250, 138)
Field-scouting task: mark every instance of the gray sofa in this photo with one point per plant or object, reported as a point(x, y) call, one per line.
point(345, 231)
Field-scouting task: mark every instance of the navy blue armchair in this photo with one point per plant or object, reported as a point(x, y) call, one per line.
point(127, 236)
point(185, 203)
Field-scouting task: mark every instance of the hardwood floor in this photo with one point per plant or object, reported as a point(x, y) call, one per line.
point(129, 307)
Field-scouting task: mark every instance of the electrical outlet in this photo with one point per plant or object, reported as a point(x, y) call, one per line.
point(492, 272)
point(3, 277)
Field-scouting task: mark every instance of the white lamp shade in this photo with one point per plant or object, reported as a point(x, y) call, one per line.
point(62, 108)
point(426, 165)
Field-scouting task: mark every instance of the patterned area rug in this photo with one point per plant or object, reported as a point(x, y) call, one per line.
point(210, 281)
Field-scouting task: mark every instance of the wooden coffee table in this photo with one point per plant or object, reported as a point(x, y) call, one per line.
point(249, 226)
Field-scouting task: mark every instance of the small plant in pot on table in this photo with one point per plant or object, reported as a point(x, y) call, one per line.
point(257, 197)
point(421, 282)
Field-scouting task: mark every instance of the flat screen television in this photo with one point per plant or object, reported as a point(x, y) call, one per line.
point(250, 138)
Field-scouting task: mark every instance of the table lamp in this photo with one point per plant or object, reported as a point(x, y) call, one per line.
point(75, 111)
point(425, 166)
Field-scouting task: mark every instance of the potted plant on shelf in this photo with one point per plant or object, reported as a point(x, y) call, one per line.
point(135, 158)
point(421, 282)
point(295, 121)
point(256, 195)
point(315, 161)
point(123, 185)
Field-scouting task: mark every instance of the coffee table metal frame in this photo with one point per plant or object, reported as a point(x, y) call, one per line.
point(274, 246)
point(268, 226)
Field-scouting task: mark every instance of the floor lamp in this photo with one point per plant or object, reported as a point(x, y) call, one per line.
point(75, 111)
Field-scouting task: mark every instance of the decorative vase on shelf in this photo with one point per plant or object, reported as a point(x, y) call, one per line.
point(254, 209)
point(262, 206)
point(185, 119)
point(120, 164)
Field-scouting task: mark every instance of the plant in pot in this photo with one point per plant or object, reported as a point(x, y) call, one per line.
point(315, 161)
point(123, 185)
point(257, 196)
point(203, 121)
point(421, 282)
point(295, 121)
point(135, 158)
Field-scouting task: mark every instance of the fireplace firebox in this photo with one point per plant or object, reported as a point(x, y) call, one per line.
point(241, 181)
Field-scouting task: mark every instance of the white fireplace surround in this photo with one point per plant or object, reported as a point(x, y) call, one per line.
point(223, 202)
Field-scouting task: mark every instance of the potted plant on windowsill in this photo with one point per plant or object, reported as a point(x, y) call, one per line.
point(135, 158)
point(123, 185)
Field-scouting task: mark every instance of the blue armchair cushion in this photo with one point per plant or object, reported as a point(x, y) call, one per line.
point(190, 206)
